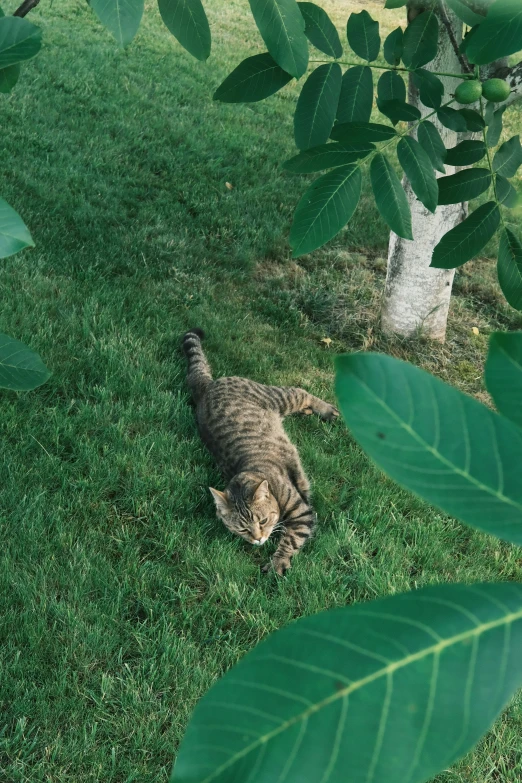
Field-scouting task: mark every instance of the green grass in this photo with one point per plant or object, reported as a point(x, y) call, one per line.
point(121, 597)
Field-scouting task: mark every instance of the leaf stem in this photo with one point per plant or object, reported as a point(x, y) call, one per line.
point(396, 68)
point(490, 166)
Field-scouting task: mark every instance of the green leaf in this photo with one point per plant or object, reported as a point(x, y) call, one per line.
point(325, 208)
point(430, 88)
point(464, 13)
point(499, 34)
point(509, 268)
point(495, 127)
point(8, 77)
point(398, 111)
point(417, 167)
point(430, 139)
point(506, 193)
point(356, 99)
point(320, 30)
point(253, 80)
point(390, 196)
point(468, 37)
point(393, 46)
point(421, 40)
point(436, 441)
point(14, 234)
point(317, 105)
point(20, 368)
point(363, 35)
point(327, 156)
point(463, 186)
point(467, 239)
point(121, 17)
point(503, 374)
point(282, 27)
point(391, 86)
point(474, 121)
point(19, 40)
point(188, 23)
point(452, 119)
point(466, 153)
point(395, 3)
point(361, 132)
point(394, 690)
point(508, 158)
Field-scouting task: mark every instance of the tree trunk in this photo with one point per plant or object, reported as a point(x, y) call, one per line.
point(416, 298)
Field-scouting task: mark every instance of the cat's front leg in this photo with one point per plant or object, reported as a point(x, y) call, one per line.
point(299, 528)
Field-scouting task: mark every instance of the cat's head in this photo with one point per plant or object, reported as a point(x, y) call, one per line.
point(247, 508)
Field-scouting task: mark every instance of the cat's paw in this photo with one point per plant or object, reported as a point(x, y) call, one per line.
point(280, 567)
point(330, 413)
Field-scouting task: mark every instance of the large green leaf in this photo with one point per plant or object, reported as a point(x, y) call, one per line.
point(320, 30)
point(325, 208)
point(463, 186)
point(419, 170)
point(317, 105)
point(14, 234)
point(19, 40)
point(327, 156)
point(495, 127)
point(389, 691)
point(452, 119)
point(510, 268)
point(253, 80)
point(363, 35)
point(398, 111)
point(430, 139)
point(421, 40)
point(503, 373)
point(468, 238)
point(356, 99)
point(20, 368)
point(429, 86)
point(499, 34)
point(508, 158)
point(506, 193)
point(121, 17)
point(187, 21)
point(391, 86)
point(8, 77)
point(467, 152)
point(282, 27)
point(436, 441)
point(464, 12)
point(390, 196)
point(393, 46)
point(474, 121)
point(361, 132)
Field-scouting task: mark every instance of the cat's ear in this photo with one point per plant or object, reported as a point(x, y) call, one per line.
point(220, 499)
point(262, 492)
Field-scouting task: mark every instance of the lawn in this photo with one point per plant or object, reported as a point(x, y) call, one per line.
point(121, 597)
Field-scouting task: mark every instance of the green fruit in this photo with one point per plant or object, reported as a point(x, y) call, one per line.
point(496, 90)
point(469, 92)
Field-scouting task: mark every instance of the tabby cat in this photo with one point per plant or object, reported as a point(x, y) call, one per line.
point(240, 422)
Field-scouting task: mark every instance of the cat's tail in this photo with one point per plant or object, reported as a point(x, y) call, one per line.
point(199, 374)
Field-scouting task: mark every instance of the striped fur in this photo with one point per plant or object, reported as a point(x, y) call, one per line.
point(240, 422)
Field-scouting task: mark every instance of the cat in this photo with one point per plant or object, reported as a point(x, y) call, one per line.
point(240, 422)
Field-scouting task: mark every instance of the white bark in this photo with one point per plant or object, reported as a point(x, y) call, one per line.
point(416, 298)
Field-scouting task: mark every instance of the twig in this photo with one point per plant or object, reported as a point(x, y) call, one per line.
point(466, 67)
point(26, 6)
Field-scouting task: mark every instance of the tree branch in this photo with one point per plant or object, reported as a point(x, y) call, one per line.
point(26, 6)
point(466, 67)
